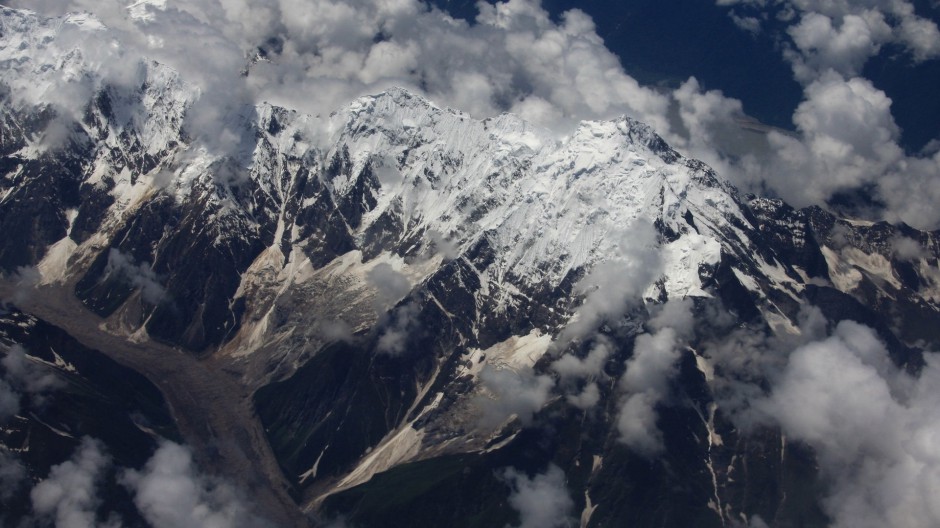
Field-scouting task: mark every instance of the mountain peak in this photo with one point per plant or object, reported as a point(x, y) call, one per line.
point(393, 97)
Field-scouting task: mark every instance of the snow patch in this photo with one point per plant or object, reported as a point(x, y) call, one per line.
point(874, 263)
point(398, 447)
point(516, 353)
point(588, 510)
point(682, 260)
point(54, 265)
point(843, 275)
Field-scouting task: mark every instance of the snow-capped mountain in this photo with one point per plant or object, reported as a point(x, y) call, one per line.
point(339, 299)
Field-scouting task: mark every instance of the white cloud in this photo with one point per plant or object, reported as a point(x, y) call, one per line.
point(587, 398)
point(614, 286)
point(843, 34)
point(646, 384)
point(874, 428)
point(69, 495)
point(746, 23)
point(521, 393)
point(543, 500)
point(335, 330)
point(746, 356)
point(571, 366)
point(649, 371)
point(846, 137)
point(921, 37)
point(708, 117)
point(847, 140)
point(907, 248)
point(398, 326)
point(24, 279)
point(12, 474)
point(675, 314)
point(26, 376)
point(654, 356)
point(140, 275)
point(636, 424)
point(843, 47)
point(390, 285)
point(171, 493)
point(514, 57)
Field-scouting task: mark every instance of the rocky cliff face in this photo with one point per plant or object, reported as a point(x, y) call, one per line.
point(418, 300)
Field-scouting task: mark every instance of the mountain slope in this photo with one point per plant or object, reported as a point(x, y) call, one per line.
point(413, 300)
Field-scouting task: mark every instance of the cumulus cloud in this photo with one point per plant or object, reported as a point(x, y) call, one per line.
point(399, 325)
point(24, 279)
point(610, 290)
point(648, 373)
point(709, 118)
point(906, 248)
point(512, 393)
point(587, 398)
point(513, 57)
point(170, 492)
point(675, 314)
point(68, 495)
point(554, 71)
point(542, 500)
point(873, 426)
point(746, 357)
point(12, 474)
point(653, 358)
point(636, 423)
point(920, 35)
point(846, 139)
point(390, 285)
point(646, 383)
point(842, 35)
point(139, 275)
point(843, 47)
point(747, 23)
point(869, 422)
point(571, 366)
point(442, 245)
point(21, 376)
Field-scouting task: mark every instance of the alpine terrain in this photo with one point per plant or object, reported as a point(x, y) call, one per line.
point(400, 315)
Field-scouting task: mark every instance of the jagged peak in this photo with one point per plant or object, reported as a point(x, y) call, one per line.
point(25, 18)
point(395, 97)
point(86, 21)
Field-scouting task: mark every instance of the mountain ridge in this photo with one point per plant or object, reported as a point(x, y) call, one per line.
point(375, 280)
